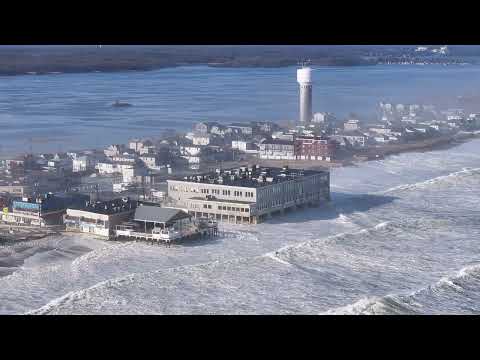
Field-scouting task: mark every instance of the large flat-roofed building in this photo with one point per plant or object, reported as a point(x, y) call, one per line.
point(248, 194)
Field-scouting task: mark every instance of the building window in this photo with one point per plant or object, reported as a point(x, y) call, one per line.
point(229, 208)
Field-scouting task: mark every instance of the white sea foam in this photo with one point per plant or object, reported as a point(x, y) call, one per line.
point(408, 304)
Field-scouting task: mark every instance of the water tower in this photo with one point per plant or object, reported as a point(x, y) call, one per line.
point(304, 79)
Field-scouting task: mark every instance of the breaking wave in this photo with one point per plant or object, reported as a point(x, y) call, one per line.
point(448, 286)
point(466, 172)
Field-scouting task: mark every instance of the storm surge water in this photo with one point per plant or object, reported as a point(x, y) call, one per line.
point(401, 236)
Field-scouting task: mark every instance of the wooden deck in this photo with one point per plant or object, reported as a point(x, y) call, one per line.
point(188, 233)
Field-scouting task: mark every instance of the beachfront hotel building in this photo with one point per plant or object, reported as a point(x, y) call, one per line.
point(248, 195)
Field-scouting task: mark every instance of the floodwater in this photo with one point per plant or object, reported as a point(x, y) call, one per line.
point(401, 236)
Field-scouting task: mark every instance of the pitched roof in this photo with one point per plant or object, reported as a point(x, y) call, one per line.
point(158, 214)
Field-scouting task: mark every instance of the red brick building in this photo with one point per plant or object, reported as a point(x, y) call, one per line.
point(315, 148)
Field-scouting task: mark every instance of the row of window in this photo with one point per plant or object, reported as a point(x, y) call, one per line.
point(236, 193)
point(229, 208)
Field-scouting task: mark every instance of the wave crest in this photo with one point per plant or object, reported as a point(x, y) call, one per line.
point(465, 172)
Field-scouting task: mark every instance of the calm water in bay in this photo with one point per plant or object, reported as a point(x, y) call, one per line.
point(59, 112)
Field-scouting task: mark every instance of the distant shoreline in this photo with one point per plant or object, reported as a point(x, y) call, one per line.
point(215, 65)
point(112, 70)
point(42, 60)
point(109, 59)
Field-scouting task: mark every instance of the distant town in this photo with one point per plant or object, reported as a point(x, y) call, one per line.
point(181, 185)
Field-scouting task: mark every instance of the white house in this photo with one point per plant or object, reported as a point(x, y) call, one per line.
point(277, 150)
point(107, 167)
point(135, 145)
point(191, 154)
point(322, 117)
point(127, 158)
point(454, 117)
point(353, 138)
point(201, 139)
point(82, 163)
point(113, 150)
point(240, 145)
point(146, 149)
point(150, 161)
point(351, 125)
point(380, 129)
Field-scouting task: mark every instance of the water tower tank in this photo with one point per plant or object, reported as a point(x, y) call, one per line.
point(304, 75)
point(304, 79)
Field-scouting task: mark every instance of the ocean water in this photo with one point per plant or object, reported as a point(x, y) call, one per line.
point(60, 112)
point(401, 236)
